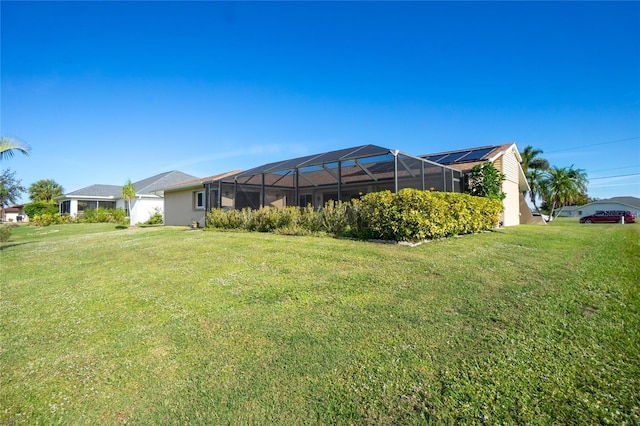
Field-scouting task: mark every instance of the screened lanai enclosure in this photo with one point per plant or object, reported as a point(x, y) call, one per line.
point(337, 175)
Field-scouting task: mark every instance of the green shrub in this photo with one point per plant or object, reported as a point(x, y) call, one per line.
point(413, 215)
point(47, 219)
point(335, 219)
point(217, 218)
point(155, 219)
point(310, 219)
point(101, 215)
point(40, 207)
point(5, 233)
point(409, 215)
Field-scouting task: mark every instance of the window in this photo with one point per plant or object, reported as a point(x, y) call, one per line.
point(305, 200)
point(87, 205)
point(65, 207)
point(199, 200)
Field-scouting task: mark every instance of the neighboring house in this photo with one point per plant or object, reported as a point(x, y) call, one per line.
point(148, 199)
point(506, 159)
point(13, 214)
point(185, 203)
point(349, 173)
point(616, 203)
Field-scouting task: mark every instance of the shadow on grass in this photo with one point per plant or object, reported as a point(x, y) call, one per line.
point(9, 245)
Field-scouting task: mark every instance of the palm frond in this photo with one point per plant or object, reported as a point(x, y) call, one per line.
point(9, 146)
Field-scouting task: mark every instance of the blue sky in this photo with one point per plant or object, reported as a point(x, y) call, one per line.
point(109, 91)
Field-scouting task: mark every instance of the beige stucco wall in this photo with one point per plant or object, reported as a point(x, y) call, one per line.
point(508, 164)
point(179, 208)
point(511, 203)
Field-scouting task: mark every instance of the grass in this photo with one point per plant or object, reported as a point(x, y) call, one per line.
point(532, 324)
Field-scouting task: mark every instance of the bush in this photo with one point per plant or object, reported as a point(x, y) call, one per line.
point(155, 219)
point(40, 207)
point(101, 215)
point(310, 219)
point(335, 219)
point(413, 215)
point(221, 219)
point(409, 215)
point(47, 219)
point(5, 233)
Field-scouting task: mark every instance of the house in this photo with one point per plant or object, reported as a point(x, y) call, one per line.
point(506, 159)
point(616, 203)
point(148, 199)
point(13, 214)
point(185, 203)
point(351, 172)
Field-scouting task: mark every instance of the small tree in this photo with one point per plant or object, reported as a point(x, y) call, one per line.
point(129, 193)
point(486, 181)
point(10, 188)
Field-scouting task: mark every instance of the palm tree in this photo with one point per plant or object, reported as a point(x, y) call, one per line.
point(45, 190)
point(533, 166)
point(8, 147)
point(535, 178)
point(530, 159)
point(563, 186)
point(580, 178)
point(128, 193)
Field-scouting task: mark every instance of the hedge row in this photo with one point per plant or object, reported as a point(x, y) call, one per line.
point(98, 215)
point(409, 215)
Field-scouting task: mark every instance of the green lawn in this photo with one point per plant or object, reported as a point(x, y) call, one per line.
point(527, 325)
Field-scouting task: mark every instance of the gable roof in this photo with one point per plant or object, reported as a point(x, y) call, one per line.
point(161, 181)
point(153, 185)
point(105, 191)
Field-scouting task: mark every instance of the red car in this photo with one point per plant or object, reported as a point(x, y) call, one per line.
point(611, 216)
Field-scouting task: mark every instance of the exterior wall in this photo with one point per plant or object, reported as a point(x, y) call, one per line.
point(73, 208)
point(179, 208)
point(589, 209)
point(508, 164)
point(142, 208)
point(511, 203)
